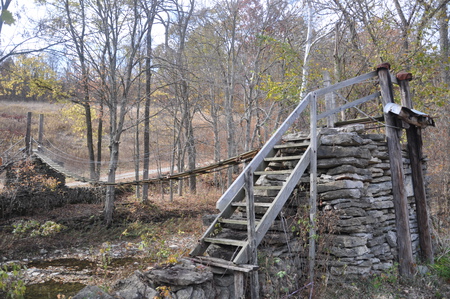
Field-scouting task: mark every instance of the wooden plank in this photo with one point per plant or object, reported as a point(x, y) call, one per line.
point(360, 121)
point(268, 187)
point(223, 241)
point(239, 285)
point(235, 221)
point(252, 246)
point(278, 203)
point(330, 102)
point(404, 246)
point(257, 204)
point(237, 185)
point(414, 137)
point(349, 105)
point(345, 83)
point(202, 245)
point(28, 147)
point(291, 145)
point(274, 172)
point(313, 189)
point(216, 262)
point(285, 158)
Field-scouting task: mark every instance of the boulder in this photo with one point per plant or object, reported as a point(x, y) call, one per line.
point(92, 292)
point(179, 276)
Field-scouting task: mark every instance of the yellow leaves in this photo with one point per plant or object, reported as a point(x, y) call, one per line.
point(32, 77)
point(164, 292)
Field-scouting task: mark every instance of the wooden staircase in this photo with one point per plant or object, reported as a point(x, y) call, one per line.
point(286, 163)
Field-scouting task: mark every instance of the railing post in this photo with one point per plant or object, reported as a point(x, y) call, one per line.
point(414, 137)
point(28, 147)
point(312, 185)
point(404, 246)
point(252, 252)
point(330, 103)
point(41, 130)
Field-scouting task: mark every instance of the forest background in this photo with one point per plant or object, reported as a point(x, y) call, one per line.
point(171, 85)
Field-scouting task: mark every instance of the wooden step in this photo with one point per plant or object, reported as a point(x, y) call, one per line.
point(291, 145)
point(273, 172)
point(256, 204)
point(285, 158)
point(267, 187)
point(216, 262)
point(222, 241)
point(235, 221)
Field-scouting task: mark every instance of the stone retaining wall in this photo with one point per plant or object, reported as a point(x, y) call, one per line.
point(356, 217)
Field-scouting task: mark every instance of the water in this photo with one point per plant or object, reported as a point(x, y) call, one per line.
point(51, 289)
point(72, 266)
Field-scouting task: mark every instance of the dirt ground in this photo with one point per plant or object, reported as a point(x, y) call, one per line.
point(165, 229)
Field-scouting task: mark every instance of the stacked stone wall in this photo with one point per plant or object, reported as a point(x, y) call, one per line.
point(355, 209)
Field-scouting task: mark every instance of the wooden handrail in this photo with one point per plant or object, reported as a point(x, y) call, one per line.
point(238, 184)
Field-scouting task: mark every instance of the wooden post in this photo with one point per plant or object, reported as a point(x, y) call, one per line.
point(252, 253)
point(330, 103)
point(414, 136)
point(239, 285)
point(312, 186)
point(28, 148)
point(404, 246)
point(41, 129)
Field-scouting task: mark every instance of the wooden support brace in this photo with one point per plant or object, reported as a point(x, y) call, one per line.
point(414, 136)
point(404, 246)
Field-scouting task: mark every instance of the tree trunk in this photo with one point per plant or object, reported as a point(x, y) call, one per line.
point(110, 189)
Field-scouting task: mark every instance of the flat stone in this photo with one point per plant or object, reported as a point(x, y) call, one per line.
point(391, 238)
point(374, 137)
point(333, 162)
point(348, 169)
point(134, 287)
point(349, 241)
point(380, 205)
point(342, 184)
point(376, 241)
point(343, 193)
point(353, 212)
point(357, 128)
point(341, 152)
point(353, 176)
point(383, 266)
point(179, 276)
point(379, 189)
point(184, 293)
point(356, 221)
point(345, 139)
point(343, 271)
point(92, 292)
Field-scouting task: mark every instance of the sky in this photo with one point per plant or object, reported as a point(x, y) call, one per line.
point(23, 11)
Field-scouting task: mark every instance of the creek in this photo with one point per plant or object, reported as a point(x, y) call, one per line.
point(48, 278)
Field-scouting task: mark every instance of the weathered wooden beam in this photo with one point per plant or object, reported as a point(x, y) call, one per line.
point(404, 246)
point(28, 147)
point(414, 137)
point(41, 129)
point(313, 188)
point(252, 246)
point(360, 121)
point(330, 102)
